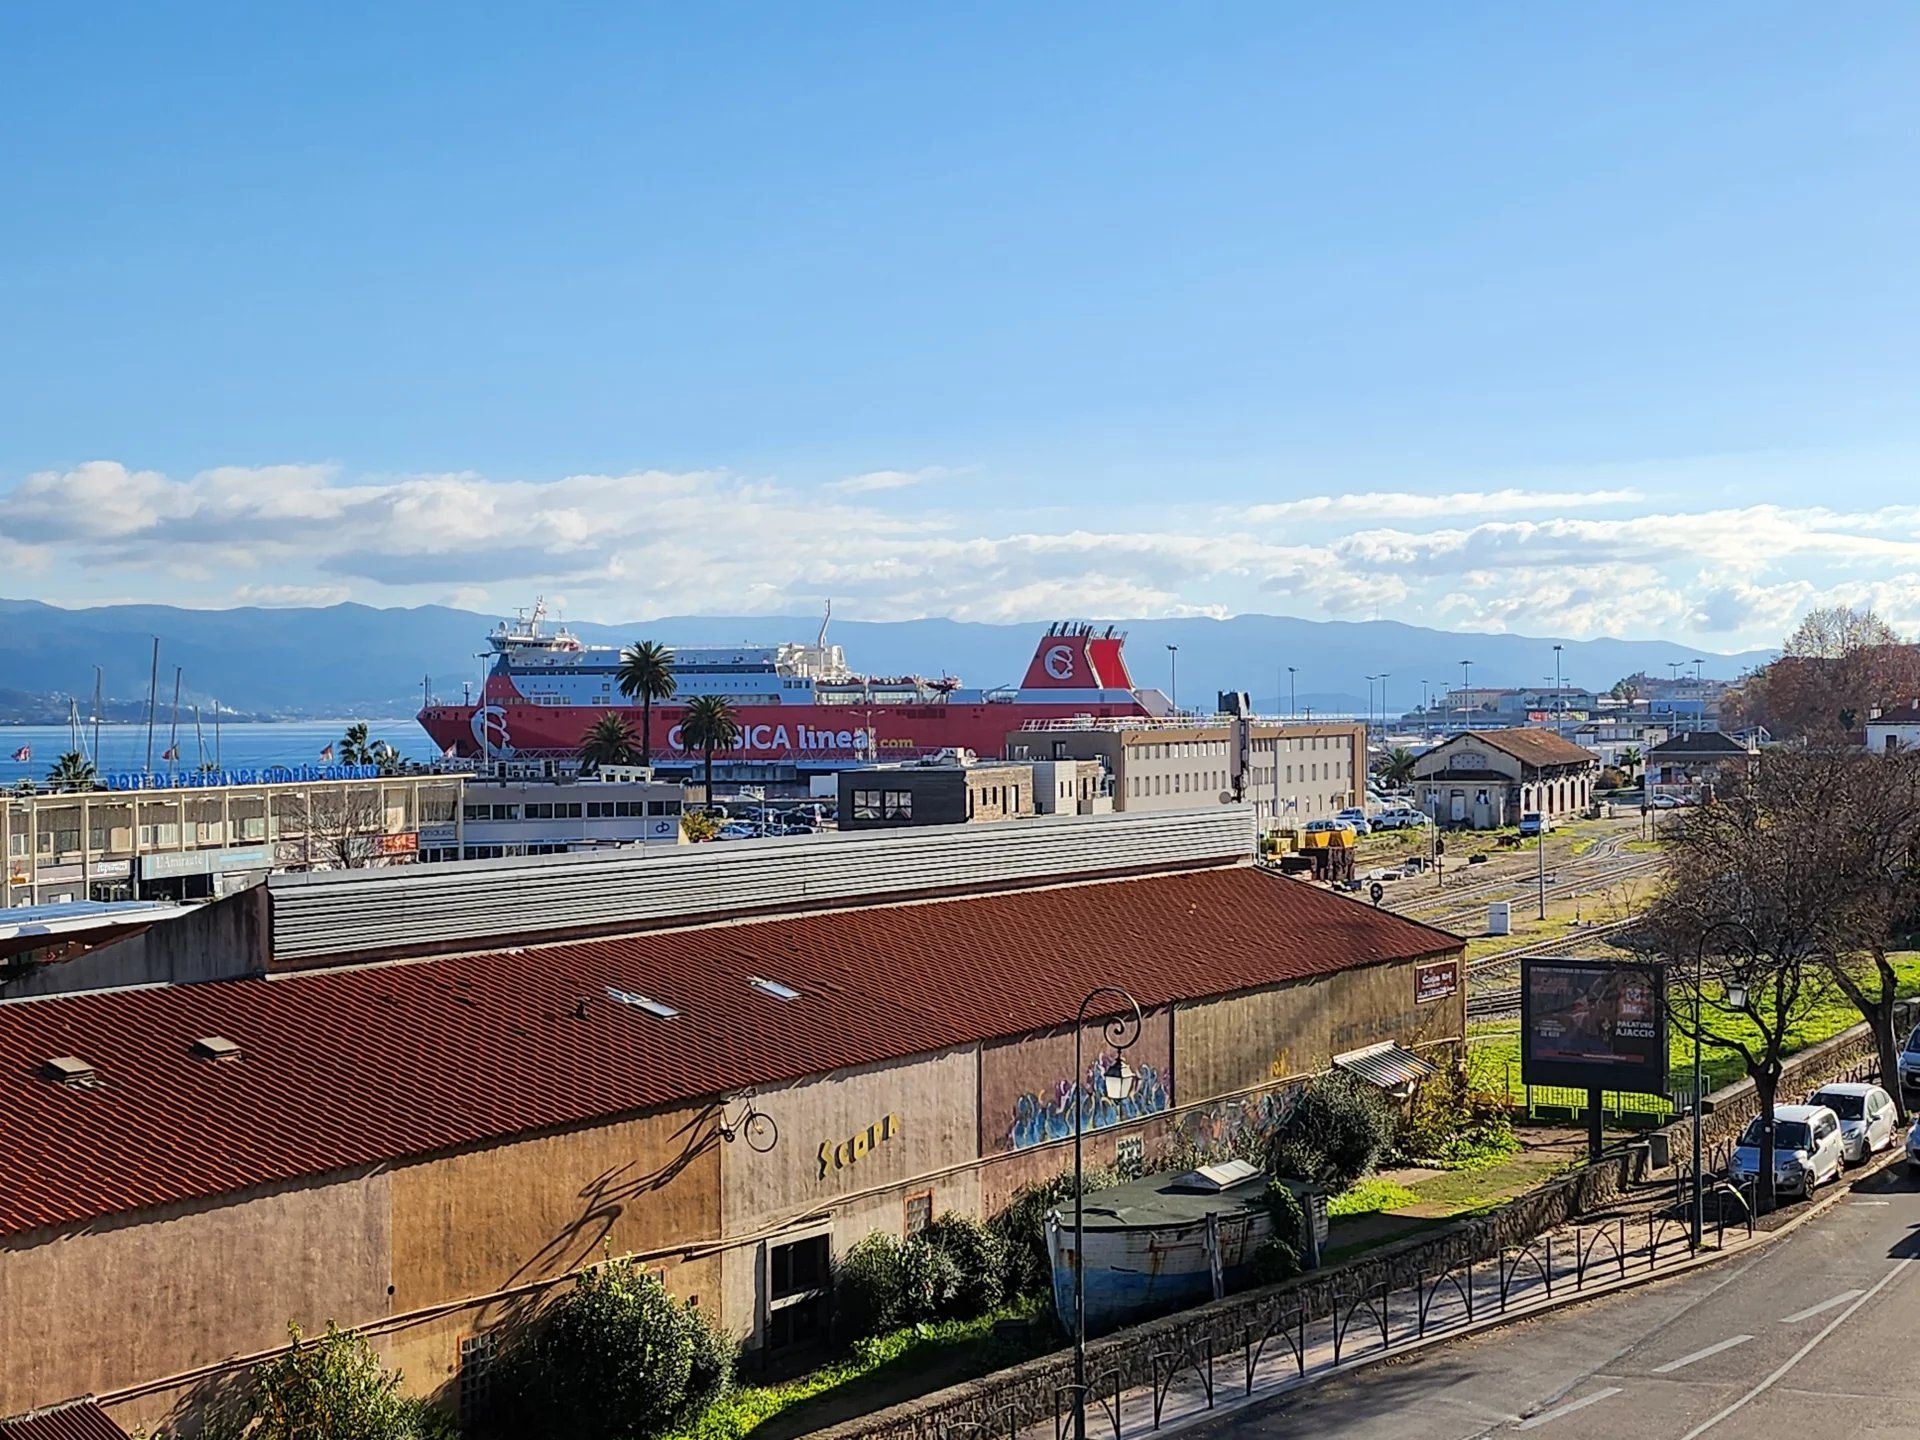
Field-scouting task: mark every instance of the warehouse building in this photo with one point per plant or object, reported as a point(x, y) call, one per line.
point(653, 1053)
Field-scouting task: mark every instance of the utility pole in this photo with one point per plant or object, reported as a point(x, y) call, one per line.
point(153, 691)
point(1385, 675)
point(1292, 710)
point(1559, 699)
point(1173, 667)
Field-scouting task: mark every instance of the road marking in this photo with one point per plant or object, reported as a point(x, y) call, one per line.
point(1568, 1409)
point(1686, 1360)
point(1873, 1202)
point(1794, 1359)
point(1820, 1309)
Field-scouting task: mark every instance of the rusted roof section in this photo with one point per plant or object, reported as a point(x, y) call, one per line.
point(76, 1420)
point(375, 1064)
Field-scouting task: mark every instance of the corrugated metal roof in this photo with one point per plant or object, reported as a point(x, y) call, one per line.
point(76, 1420)
point(373, 1064)
point(408, 908)
point(1388, 1065)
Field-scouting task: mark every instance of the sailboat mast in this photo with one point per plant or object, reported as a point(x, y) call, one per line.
point(98, 678)
point(199, 741)
point(153, 695)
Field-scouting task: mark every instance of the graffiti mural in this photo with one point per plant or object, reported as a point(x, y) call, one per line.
point(1040, 1117)
point(1236, 1127)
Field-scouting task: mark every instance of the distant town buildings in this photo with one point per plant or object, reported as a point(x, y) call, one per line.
point(1290, 774)
point(195, 836)
point(1490, 778)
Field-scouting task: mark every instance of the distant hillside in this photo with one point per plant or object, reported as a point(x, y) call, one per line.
point(360, 660)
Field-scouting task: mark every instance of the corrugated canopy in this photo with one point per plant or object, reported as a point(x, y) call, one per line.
point(1389, 1065)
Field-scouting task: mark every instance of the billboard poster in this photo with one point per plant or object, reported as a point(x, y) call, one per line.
point(1594, 1024)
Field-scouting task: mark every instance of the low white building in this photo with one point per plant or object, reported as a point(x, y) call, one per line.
point(1490, 778)
point(537, 816)
point(1897, 728)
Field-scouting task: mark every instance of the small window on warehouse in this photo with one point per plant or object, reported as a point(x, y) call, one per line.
point(919, 1212)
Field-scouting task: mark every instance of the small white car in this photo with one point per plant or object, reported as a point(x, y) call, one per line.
point(1867, 1117)
point(1913, 1152)
point(1808, 1150)
point(1354, 818)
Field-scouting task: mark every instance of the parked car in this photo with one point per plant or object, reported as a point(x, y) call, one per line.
point(1808, 1150)
point(1867, 1117)
point(1533, 823)
point(1356, 819)
point(1910, 1067)
point(1664, 802)
point(1397, 817)
point(1913, 1151)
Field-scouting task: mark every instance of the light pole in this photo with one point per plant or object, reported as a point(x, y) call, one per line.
point(1117, 1083)
point(1559, 700)
point(1173, 666)
point(1292, 710)
point(1385, 675)
point(1698, 1209)
point(1370, 680)
point(1466, 669)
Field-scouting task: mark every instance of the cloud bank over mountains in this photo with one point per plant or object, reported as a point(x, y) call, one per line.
point(937, 540)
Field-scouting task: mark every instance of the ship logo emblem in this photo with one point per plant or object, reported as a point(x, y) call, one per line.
point(490, 730)
point(1059, 662)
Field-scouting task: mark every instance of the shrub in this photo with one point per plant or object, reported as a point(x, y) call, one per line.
point(616, 1358)
point(1454, 1123)
point(1278, 1257)
point(332, 1386)
point(929, 1282)
point(1337, 1132)
point(980, 1256)
point(867, 1287)
point(1022, 1227)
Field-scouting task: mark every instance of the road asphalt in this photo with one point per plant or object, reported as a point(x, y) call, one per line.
point(1815, 1336)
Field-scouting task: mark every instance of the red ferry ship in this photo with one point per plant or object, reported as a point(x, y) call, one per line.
point(799, 705)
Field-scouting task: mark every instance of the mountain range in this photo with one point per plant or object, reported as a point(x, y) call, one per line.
point(357, 660)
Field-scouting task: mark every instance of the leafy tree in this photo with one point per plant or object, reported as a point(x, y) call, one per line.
point(1396, 767)
point(72, 771)
point(697, 827)
point(979, 1254)
point(1631, 760)
point(608, 741)
point(1336, 1133)
point(709, 724)
point(646, 675)
point(1740, 879)
point(1626, 688)
point(616, 1358)
point(1834, 669)
point(328, 1387)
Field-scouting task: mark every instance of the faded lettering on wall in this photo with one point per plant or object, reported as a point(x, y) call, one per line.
point(847, 1152)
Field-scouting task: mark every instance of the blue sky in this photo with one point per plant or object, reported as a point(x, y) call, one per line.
point(1546, 318)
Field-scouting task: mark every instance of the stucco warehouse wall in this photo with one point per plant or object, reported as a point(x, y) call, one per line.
point(837, 1152)
point(123, 1302)
point(1233, 1044)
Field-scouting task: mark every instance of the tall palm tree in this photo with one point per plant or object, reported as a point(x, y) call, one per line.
point(72, 771)
point(355, 747)
point(710, 724)
point(608, 741)
point(1631, 760)
point(1396, 767)
point(646, 675)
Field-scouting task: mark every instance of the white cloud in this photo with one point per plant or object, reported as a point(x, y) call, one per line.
point(652, 542)
point(1403, 506)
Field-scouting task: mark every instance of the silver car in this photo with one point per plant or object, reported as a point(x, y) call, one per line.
point(1807, 1148)
point(1867, 1117)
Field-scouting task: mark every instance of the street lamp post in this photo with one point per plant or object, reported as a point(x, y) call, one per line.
point(1697, 1217)
point(1117, 1083)
point(1291, 709)
point(1559, 699)
point(1385, 675)
point(1173, 667)
point(1466, 670)
point(1370, 680)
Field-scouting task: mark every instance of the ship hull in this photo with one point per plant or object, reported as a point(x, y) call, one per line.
point(808, 737)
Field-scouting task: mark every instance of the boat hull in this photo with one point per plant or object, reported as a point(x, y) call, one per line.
point(1135, 1274)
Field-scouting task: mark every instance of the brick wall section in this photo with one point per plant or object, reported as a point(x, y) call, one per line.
point(1030, 1388)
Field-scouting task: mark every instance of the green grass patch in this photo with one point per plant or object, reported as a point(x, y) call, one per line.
point(880, 1371)
point(1369, 1195)
point(1495, 1044)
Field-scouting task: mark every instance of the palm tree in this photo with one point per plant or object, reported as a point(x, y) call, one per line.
point(646, 675)
point(1396, 767)
point(710, 724)
point(1630, 761)
point(72, 771)
point(608, 741)
point(355, 747)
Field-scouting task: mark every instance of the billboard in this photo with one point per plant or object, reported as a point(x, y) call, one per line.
point(1594, 1024)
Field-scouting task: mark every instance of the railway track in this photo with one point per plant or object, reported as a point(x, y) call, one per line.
point(1492, 1003)
point(1461, 899)
point(1558, 886)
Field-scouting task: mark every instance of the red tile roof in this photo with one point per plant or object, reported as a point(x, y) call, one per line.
point(79, 1420)
point(360, 1066)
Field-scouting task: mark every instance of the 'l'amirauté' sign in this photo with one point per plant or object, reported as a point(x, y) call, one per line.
point(851, 1151)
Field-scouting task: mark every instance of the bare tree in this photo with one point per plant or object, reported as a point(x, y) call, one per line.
point(1836, 630)
point(1743, 884)
point(348, 822)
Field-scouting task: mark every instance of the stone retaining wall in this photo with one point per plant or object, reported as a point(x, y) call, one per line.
point(1029, 1388)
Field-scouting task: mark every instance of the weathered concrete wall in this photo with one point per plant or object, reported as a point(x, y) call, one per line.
point(123, 1302)
point(216, 941)
point(1228, 1045)
point(856, 1144)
